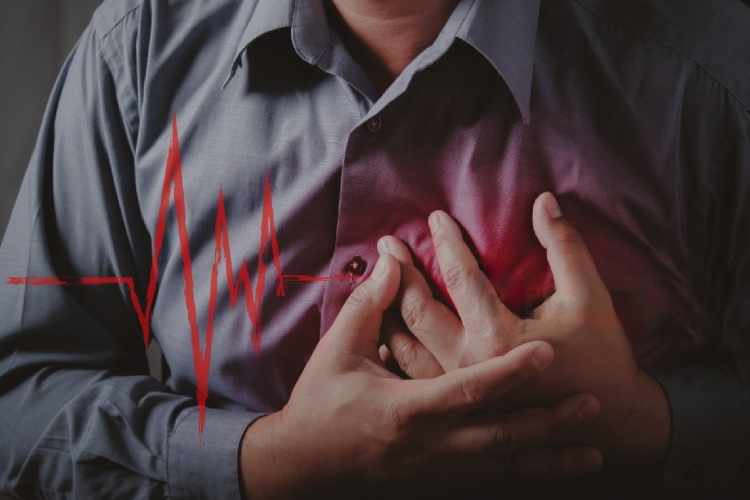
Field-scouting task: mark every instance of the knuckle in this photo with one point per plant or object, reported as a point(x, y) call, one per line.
point(398, 420)
point(504, 442)
point(504, 457)
point(472, 388)
point(508, 337)
point(568, 235)
point(457, 276)
point(406, 354)
point(577, 319)
point(488, 303)
point(414, 312)
point(358, 299)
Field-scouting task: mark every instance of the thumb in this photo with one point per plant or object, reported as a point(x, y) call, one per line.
point(357, 326)
point(571, 264)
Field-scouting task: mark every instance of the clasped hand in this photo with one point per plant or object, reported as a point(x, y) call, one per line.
point(579, 321)
point(353, 429)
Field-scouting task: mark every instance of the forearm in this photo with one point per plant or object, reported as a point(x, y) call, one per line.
point(89, 434)
point(81, 416)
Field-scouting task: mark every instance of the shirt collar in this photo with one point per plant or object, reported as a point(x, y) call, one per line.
point(265, 16)
point(504, 32)
point(310, 30)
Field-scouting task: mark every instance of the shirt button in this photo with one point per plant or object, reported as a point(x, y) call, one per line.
point(356, 266)
point(693, 471)
point(374, 124)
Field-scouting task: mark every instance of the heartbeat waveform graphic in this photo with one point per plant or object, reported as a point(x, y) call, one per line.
point(243, 283)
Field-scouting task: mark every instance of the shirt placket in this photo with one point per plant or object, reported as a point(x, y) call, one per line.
point(361, 210)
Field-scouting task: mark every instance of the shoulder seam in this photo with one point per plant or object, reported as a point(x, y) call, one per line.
point(746, 107)
point(101, 42)
point(109, 30)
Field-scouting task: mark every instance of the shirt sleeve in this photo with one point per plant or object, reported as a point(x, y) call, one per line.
point(81, 417)
point(709, 425)
point(710, 402)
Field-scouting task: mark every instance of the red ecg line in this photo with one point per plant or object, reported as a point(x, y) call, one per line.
point(243, 283)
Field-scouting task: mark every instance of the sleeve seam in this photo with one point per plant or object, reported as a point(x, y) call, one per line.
point(101, 36)
point(130, 83)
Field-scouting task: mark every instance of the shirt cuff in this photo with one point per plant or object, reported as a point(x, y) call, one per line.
point(206, 467)
point(709, 425)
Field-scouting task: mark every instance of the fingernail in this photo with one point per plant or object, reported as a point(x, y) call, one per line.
point(551, 207)
point(542, 356)
point(435, 220)
point(384, 246)
point(383, 352)
point(379, 269)
point(587, 410)
point(587, 462)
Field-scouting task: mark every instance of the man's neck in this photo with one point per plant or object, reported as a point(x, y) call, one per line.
point(384, 36)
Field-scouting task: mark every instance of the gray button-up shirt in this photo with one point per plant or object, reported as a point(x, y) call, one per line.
point(635, 114)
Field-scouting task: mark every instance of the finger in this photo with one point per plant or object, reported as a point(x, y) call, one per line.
point(386, 357)
point(472, 293)
point(465, 389)
point(395, 247)
point(410, 354)
point(358, 324)
point(436, 326)
point(555, 426)
point(518, 431)
point(549, 463)
point(572, 267)
point(390, 362)
point(431, 322)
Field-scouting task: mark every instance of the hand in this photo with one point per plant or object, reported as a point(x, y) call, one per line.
point(351, 428)
point(592, 351)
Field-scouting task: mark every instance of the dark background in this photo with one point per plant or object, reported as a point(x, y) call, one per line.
point(35, 38)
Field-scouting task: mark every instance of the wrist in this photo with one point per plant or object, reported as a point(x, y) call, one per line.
point(259, 478)
point(639, 430)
